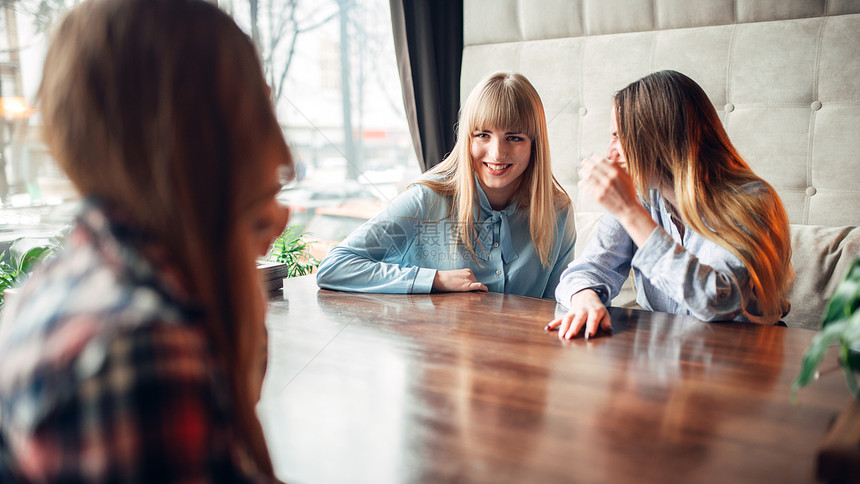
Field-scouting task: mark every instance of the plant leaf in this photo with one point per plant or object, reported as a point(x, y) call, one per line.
point(34, 257)
point(813, 355)
point(850, 376)
point(26, 252)
point(291, 249)
point(23, 256)
point(846, 297)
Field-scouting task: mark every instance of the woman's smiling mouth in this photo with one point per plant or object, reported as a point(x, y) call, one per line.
point(497, 168)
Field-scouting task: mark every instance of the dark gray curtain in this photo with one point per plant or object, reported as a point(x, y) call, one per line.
point(428, 41)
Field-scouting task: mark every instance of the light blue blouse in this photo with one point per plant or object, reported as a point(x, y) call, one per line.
point(677, 274)
point(400, 249)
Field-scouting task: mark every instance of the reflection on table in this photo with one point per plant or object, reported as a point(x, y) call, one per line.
point(468, 387)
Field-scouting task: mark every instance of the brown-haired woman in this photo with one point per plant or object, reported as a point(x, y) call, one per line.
point(708, 237)
point(136, 354)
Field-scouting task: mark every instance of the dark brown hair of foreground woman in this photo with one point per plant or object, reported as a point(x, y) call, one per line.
point(159, 109)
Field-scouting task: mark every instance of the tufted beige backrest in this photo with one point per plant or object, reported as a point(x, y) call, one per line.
point(784, 76)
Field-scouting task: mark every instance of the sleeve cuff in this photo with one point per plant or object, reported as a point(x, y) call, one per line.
point(423, 283)
point(602, 291)
point(654, 248)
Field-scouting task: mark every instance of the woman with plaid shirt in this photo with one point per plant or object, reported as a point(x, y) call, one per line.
point(135, 355)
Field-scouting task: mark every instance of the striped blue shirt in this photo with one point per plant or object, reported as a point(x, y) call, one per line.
point(673, 273)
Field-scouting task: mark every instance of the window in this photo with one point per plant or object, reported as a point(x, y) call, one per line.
point(32, 189)
point(333, 74)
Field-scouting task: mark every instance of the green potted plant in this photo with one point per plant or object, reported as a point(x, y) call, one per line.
point(292, 249)
point(840, 323)
point(23, 256)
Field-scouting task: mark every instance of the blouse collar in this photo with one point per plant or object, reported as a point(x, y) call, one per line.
point(486, 219)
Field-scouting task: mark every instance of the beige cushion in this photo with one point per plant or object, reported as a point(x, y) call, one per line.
point(820, 255)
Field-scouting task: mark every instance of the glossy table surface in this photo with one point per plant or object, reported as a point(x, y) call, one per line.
point(370, 388)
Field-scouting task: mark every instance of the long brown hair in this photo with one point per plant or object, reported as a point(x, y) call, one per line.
point(506, 101)
point(159, 107)
point(671, 136)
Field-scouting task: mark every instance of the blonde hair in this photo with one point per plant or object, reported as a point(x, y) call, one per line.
point(506, 101)
point(671, 136)
point(159, 108)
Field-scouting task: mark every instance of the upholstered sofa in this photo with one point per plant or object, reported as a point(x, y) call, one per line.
point(784, 76)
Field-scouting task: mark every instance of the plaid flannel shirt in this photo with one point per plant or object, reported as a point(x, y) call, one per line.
point(105, 374)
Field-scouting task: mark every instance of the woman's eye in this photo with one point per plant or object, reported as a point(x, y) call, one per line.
point(481, 135)
point(516, 138)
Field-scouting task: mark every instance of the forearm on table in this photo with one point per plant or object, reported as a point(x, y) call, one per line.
point(345, 270)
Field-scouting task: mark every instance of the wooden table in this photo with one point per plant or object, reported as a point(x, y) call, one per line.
point(370, 388)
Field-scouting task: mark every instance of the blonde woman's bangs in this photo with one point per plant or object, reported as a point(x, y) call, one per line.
point(499, 107)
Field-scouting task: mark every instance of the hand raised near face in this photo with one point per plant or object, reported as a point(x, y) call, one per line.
point(608, 183)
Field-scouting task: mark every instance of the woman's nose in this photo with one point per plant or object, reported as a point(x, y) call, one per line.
point(279, 221)
point(497, 151)
point(283, 218)
point(612, 153)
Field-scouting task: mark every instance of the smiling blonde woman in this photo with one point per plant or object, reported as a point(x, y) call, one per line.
point(490, 217)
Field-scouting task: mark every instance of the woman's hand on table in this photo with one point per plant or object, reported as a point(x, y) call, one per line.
point(458, 280)
point(586, 311)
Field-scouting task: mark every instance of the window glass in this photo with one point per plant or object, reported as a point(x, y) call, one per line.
point(332, 71)
point(35, 197)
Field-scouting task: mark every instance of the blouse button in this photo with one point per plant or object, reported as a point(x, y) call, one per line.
point(810, 191)
point(729, 107)
point(498, 272)
point(816, 105)
point(495, 244)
